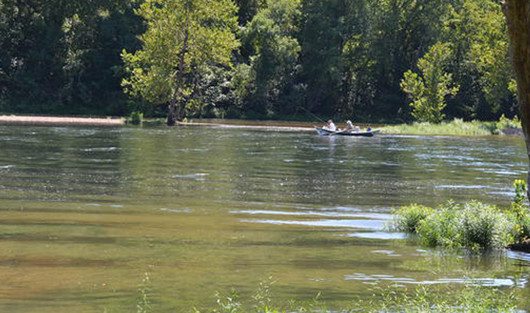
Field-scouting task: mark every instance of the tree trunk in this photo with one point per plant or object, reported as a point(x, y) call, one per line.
point(518, 17)
point(176, 105)
point(172, 113)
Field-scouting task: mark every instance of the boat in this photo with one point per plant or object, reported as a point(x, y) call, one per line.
point(326, 132)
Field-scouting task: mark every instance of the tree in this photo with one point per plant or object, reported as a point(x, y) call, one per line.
point(274, 62)
point(518, 17)
point(477, 32)
point(321, 41)
point(428, 92)
point(182, 36)
point(64, 56)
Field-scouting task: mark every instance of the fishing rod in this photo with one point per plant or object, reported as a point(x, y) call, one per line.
point(318, 118)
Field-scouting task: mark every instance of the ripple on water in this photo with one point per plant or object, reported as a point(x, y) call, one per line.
point(484, 282)
point(378, 235)
point(516, 255)
point(358, 224)
point(377, 216)
point(194, 176)
point(101, 149)
point(462, 187)
point(183, 210)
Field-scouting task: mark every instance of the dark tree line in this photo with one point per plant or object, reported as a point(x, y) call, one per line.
point(330, 57)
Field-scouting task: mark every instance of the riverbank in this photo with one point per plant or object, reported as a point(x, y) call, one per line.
point(456, 127)
point(59, 121)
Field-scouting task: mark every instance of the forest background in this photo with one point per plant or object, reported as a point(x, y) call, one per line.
point(365, 60)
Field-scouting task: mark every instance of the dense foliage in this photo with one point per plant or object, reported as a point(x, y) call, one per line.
point(472, 225)
point(356, 59)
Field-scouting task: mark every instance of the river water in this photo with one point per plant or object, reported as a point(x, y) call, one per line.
point(86, 212)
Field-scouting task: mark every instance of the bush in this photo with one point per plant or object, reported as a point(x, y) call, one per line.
point(505, 123)
point(484, 227)
point(136, 118)
point(440, 228)
point(474, 225)
point(519, 212)
point(408, 218)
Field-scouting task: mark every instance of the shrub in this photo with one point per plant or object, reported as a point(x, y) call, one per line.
point(440, 228)
point(505, 123)
point(519, 212)
point(136, 118)
point(484, 227)
point(408, 218)
point(474, 225)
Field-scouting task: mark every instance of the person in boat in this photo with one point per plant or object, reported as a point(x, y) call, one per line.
point(330, 126)
point(351, 128)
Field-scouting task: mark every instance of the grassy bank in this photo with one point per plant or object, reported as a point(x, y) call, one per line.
point(473, 225)
point(457, 127)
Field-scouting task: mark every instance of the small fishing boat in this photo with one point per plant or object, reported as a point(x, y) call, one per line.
point(326, 132)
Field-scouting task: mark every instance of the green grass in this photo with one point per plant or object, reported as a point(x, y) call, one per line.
point(456, 127)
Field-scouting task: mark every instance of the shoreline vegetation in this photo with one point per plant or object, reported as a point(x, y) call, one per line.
point(473, 226)
point(456, 127)
point(470, 297)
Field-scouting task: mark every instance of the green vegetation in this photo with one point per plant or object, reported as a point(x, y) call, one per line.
point(429, 90)
point(257, 59)
point(472, 225)
point(182, 40)
point(408, 218)
point(384, 299)
point(456, 127)
point(136, 118)
point(143, 303)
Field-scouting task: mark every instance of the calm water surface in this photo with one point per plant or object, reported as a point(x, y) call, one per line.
point(85, 212)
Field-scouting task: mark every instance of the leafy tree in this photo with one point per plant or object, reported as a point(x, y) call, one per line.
point(273, 65)
point(404, 30)
point(429, 90)
point(62, 56)
point(248, 8)
point(477, 31)
point(182, 36)
point(321, 40)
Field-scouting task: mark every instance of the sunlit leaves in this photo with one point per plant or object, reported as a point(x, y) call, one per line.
point(181, 36)
point(428, 91)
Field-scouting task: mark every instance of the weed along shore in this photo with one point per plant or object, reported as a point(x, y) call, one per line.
point(473, 225)
point(59, 121)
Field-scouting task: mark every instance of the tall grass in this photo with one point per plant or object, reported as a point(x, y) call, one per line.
point(456, 127)
point(387, 298)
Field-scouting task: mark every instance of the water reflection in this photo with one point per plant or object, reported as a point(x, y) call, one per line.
point(84, 212)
